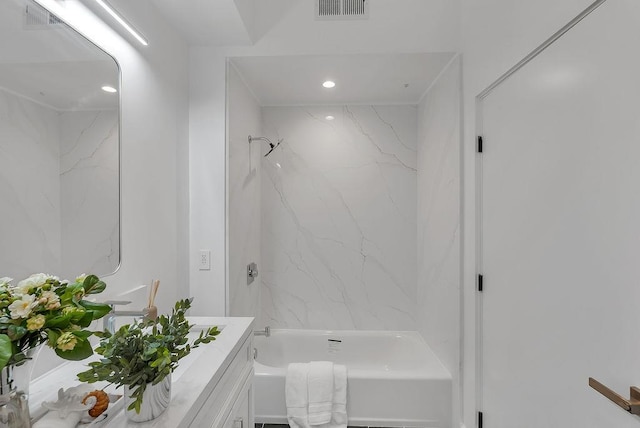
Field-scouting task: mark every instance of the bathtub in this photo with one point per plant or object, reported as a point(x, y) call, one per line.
point(394, 379)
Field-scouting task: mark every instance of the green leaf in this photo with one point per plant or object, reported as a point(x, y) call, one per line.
point(102, 334)
point(70, 291)
point(86, 319)
point(82, 334)
point(60, 321)
point(52, 337)
point(5, 350)
point(16, 332)
point(81, 351)
point(93, 285)
point(98, 310)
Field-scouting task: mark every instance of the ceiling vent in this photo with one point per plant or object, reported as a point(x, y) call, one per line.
point(37, 16)
point(332, 10)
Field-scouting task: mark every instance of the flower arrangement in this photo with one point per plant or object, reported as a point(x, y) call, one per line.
point(44, 309)
point(145, 352)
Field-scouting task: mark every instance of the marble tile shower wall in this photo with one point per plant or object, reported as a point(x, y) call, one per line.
point(52, 185)
point(89, 191)
point(339, 218)
point(29, 186)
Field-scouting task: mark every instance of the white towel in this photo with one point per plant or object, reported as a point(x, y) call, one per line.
point(339, 408)
point(296, 395)
point(320, 387)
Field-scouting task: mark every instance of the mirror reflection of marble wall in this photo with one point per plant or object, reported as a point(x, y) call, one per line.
point(59, 143)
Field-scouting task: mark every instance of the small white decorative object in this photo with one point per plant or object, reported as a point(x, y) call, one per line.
point(68, 410)
point(155, 400)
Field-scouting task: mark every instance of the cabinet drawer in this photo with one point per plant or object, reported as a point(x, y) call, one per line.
point(241, 415)
point(219, 402)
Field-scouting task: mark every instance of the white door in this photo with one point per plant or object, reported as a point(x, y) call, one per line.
point(560, 245)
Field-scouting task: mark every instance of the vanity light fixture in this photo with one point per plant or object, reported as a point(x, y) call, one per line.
point(111, 11)
point(329, 84)
point(109, 89)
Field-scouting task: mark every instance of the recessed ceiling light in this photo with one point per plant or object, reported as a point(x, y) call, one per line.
point(329, 84)
point(329, 117)
point(109, 89)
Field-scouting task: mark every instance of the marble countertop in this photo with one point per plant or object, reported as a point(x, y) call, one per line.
point(192, 382)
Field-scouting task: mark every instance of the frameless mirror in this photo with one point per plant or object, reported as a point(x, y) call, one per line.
point(59, 145)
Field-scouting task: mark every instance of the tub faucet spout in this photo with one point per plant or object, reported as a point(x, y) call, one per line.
point(266, 332)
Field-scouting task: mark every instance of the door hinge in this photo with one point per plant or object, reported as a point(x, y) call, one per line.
point(480, 283)
point(479, 144)
point(479, 419)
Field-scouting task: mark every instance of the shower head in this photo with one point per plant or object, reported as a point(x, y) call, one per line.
point(268, 141)
point(273, 147)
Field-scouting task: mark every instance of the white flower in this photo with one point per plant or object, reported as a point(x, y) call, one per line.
point(4, 281)
point(34, 281)
point(50, 300)
point(80, 278)
point(22, 308)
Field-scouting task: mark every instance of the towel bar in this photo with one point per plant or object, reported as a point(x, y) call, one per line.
point(632, 405)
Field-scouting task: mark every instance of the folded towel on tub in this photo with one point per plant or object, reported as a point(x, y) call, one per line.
point(320, 390)
point(296, 395)
point(339, 407)
point(306, 395)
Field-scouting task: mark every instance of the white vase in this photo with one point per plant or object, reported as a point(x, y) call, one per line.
point(155, 400)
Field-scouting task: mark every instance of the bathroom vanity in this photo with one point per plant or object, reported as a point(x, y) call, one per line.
point(212, 387)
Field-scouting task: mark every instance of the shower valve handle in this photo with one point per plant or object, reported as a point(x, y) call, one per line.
point(252, 272)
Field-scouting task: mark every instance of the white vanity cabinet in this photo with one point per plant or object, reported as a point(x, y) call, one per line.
point(241, 415)
point(230, 404)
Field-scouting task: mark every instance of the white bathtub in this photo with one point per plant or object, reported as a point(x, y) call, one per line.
point(394, 379)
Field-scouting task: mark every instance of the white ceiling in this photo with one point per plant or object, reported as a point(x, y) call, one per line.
point(72, 67)
point(210, 23)
point(360, 79)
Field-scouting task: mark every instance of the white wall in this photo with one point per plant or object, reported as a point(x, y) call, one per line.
point(207, 178)
point(496, 34)
point(339, 218)
point(244, 171)
point(154, 129)
point(439, 163)
point(286, 27)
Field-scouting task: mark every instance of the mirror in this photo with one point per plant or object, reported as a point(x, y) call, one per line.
point(59, 145)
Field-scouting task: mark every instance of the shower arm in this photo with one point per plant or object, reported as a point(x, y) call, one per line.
point(268, 141)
